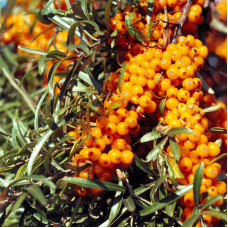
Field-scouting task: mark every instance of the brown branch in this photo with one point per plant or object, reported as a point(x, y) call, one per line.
point(181, 21)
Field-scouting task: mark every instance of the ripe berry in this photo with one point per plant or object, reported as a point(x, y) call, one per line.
point(94, 154)
point(185, 164)
point(144, 101)
point(211, 172)
point(115, 156)
point(214, 149)
point(122, 128)
point(127, 157)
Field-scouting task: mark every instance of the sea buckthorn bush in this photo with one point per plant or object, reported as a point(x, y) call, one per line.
point(116, 114)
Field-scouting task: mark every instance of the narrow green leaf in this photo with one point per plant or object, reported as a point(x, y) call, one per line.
point(41, 178)
point(31, 51)
point(123, 68)
point(150, 8)
point(36, 118)
point(211, 108)
point(197, 183)
point(133, 31)
point(170, 209)
point(90, 80)
point(150, 136)
point(218, 158)
point(190, 222)
point(156, 150)
point(211, 201)
point(56, 54)
point(158, 184)
point(94, 184)
point(71, 33)
point(177, 173)
point(19, 201)
point(142, 166)
point(41, 64)
point(216, 214)
point(180, 130)
point(129, 204)
point(166, 201)
point(175, 148)
point(84, 8)
point(107, 14)
point(35, 192)
point(218, 129)
point(3, 183)
point(116, 205)
point(162, 106)
point(20, 90)
point(42, 141)
point(51, 75)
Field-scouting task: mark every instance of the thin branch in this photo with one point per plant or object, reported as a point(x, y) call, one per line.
point(181, 21)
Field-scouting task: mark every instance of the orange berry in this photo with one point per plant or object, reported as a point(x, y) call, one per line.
point(207, 219)
point(190, 178)
point(151, 108)
point(189, 145)
point(122, 128)
point(217, 166)
point(189, 199)
point(96, 132)
point(144, 101)
point(165, 63)
point(127, 157)
point(100, 144)
point(195, 157)
point(172, 72)
point(185, 164)
point(89, 142)
point(115, 156)
point(213, 149)
point(211, 172)
point(133, 113)
point(101, 121)
point(171, 103)
point(172, 92)
point(137, 90)
point(106, 175)
point(165, 84)
point(86, 174)
point(188, 84)
point(202, 51)
point(119, 144)
point(194, 137)
point(81, 191)
point(94, 154)
point(73, 133)
point(114, 118)
point(203, 150)
point(183, 95)
point(111, 128)
point(212, 191)
point(221, 187)
point(97, 168)
point(108, 138)
point(151, 84)
point(131, 121)
point(104, 160)
point(96, 191)
point(207, 182)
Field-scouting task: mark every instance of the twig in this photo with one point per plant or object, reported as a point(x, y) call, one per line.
point(181, 21)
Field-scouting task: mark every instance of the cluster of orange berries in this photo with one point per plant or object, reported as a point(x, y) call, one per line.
point(107, 148)
point(158, 19)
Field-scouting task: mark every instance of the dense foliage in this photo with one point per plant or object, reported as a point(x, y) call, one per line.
point(113, 113)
